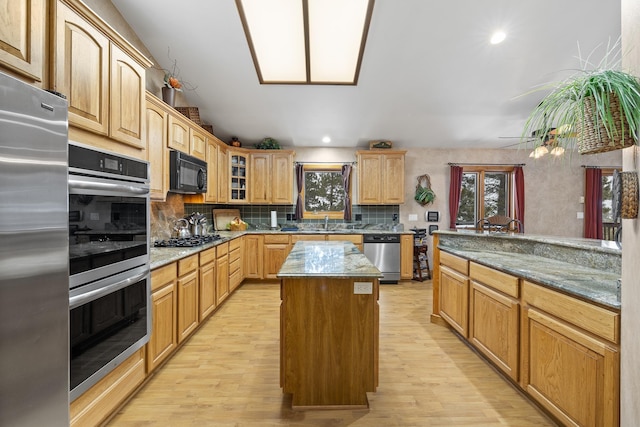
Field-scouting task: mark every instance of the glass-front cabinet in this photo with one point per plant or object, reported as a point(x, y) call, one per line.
point(238, 177)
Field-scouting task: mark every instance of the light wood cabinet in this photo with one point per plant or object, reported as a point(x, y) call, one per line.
point(222, 272)
point(406, 257)
point(380, 177)
point(163, 340)
point(127, 99)
point(276, 249)
point(238, 176)
point(198, 142)
point(569, 365)
point(188, 307)
point(207, 277)
point(23, 29)
point(223, 174)
point(235, 263)
point(454, 292)
point(103, 77)
point(179, 133)
point(213, 150)
point(254, 262)
point(95, 405)
point(494, 317)
point(156, 148)
point(81, 70)
point(271, 175)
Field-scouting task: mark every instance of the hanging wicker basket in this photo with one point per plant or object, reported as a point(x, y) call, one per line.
point(593, 137)
point(625, 195)
point(424, 194)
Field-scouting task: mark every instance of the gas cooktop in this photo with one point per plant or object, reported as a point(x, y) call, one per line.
point(186, 242)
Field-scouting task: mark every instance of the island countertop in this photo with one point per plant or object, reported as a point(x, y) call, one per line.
point(337, 259)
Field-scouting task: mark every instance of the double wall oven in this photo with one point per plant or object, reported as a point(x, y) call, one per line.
point(109, 281)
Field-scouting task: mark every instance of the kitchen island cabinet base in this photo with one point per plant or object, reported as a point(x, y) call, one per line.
point(329, 342)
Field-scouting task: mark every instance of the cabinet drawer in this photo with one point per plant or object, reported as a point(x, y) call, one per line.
point(163, 275)
point(498, 280)
point(276, 238)
point(305, 237)
point(356, 239)
point(597, 320)
point(207, 256)
point(455, 262)
point(187, 265)
point(234, 279)
point(222, 250)
point(234, 265)
point(234, 244)
point(234, 254)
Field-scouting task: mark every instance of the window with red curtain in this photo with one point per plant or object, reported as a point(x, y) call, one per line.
point(593, 203)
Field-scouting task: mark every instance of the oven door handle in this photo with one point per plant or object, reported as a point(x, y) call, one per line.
point(78, 300)
point(82, 183)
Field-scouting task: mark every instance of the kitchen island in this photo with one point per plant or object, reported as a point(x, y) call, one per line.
point(328, 325)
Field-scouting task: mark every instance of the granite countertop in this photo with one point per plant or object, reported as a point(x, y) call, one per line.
point(585, 268)
point(327, 259)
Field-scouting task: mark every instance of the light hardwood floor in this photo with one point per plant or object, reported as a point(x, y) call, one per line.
point(227, 374)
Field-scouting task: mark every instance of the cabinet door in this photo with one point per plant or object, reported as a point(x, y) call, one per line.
point(211, 196)
point(369, 179)
point(281, 178)
point(274, 256)
point(570, 373)
point(157, 151)
point(494, 327)
point(198, 144)
point(406, 257)
point(81, 70)
point(207, 290)
point(22, 37)
point(253, 264)
point(222, 278)
point(223, 175)
point(163, 338)
point(454, 299)
point(261, 182)
point(187, 304)
point(127, 100)
point(393, 179)
point(179, 137)
point(238, 168)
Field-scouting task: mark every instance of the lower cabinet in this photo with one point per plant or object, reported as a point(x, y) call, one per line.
point(188, 307)
point(96, 404)
point(567, 367)
point(254, 262)
point(222, 272)
point(235, 263)
point(454, 299)
point(207, 281)
point(494, 314)
point(164, 312)
point(406, 257)
point(276, 249)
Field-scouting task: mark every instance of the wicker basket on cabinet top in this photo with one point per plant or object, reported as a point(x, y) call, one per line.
point(191, 113)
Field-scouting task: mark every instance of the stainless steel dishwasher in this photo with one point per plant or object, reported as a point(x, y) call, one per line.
point(383, 250)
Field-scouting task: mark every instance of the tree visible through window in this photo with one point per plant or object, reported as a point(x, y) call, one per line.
point(485, 192)
point(323, 191)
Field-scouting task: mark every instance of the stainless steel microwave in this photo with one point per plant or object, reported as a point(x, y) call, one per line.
point(188, 174)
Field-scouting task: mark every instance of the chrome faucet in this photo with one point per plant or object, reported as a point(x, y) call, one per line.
point(326, 222)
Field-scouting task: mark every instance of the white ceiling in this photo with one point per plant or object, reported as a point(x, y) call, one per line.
point(429, 76)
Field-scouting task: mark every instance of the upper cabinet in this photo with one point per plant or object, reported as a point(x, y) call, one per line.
point(22, 39)
point(380, 177)
point(271, 174)
point(156, 148)
point(103, 78)
point(238, 162)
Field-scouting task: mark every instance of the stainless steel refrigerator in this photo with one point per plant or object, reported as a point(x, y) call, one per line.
point(34, 257)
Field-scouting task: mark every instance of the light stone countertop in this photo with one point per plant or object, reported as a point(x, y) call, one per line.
point(163, 256)
point(335, 259)
point(586, 268)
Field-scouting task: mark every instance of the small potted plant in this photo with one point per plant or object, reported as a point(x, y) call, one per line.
point(268, 143)
point(598, 108)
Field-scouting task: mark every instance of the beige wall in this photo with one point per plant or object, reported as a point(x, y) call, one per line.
point(630, 352)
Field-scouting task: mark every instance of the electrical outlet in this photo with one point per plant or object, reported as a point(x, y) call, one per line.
point(413, 217)
point(362, 288)
point(289, 217)
point(94, 216)
point(394, 217)
point(358, 217)
point(580, 215)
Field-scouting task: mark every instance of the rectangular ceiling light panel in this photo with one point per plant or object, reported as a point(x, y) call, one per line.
point(336, 39)
point(275, 29)
point(279, 34)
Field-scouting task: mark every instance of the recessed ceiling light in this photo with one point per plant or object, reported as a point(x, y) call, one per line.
point(498, 37)
point(326, 139)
